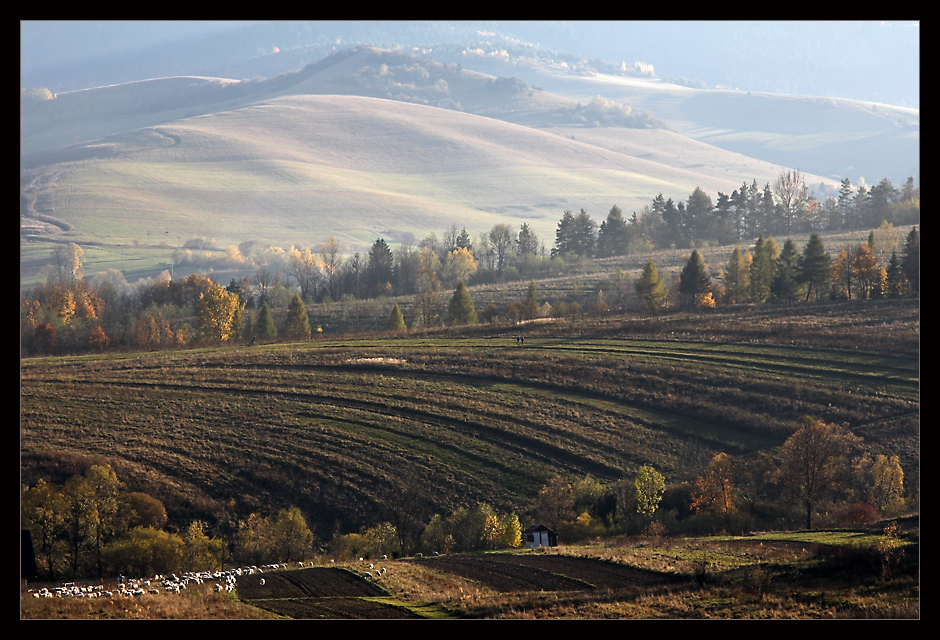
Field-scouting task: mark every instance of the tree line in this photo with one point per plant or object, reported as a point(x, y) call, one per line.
point(69, 314)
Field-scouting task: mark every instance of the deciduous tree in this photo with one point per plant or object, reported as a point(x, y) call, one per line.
point(815, 461)
point(650, 485)
point(715, 488)
point(215, 313)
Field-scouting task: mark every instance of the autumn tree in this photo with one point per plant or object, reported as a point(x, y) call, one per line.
point(715, 488)
point(290, 535)
point(650, 485)
point(650, 289)
point(554, 504)
point(815, 461)
point(199, 551)
point(102, 508)
point(428, 308)
point(215, 313)
point(882, 482)
point(459, 265)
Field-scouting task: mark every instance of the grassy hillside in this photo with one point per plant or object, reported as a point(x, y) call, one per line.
point(296, 170)
point(823, 136)
point(336, 426)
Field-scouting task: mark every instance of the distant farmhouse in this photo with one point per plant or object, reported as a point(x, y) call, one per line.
point(538, 535)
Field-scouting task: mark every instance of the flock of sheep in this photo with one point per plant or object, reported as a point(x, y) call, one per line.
point(225, 581)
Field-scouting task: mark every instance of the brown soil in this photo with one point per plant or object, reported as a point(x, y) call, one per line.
point(546, 572)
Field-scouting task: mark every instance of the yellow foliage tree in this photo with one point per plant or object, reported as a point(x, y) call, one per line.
point(216, 311)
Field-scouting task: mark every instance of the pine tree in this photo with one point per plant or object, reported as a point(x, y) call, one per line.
point(650, 290)
point(396, 321)
point(460, 311)
point(297, 325)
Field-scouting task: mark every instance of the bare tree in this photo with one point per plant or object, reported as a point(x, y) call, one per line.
point(790, 189)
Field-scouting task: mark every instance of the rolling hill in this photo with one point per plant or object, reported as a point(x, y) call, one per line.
point(369, 143)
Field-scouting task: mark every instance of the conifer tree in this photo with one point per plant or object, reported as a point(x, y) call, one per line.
point(264, 324)
point(693, 280)
point(910, 263)
point(896, 284)
point(297, 325)
point(650, 289)
point(815, 267)
point(396, 321)
point(460, 311)
point(786, 285)
point(737, 278)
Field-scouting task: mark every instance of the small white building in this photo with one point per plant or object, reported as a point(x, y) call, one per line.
point(538, 535)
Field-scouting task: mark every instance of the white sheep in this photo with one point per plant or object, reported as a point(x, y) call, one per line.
point(367, 575)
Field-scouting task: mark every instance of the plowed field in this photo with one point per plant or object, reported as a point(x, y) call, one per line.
point(318, 593)
point(513, 573)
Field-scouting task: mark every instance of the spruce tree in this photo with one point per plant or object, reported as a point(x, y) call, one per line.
point(786, 284)
point(297, 325)
point(460, 311)
point(693, 280)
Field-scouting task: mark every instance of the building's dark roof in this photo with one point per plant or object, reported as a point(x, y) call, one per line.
point(538, 527)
